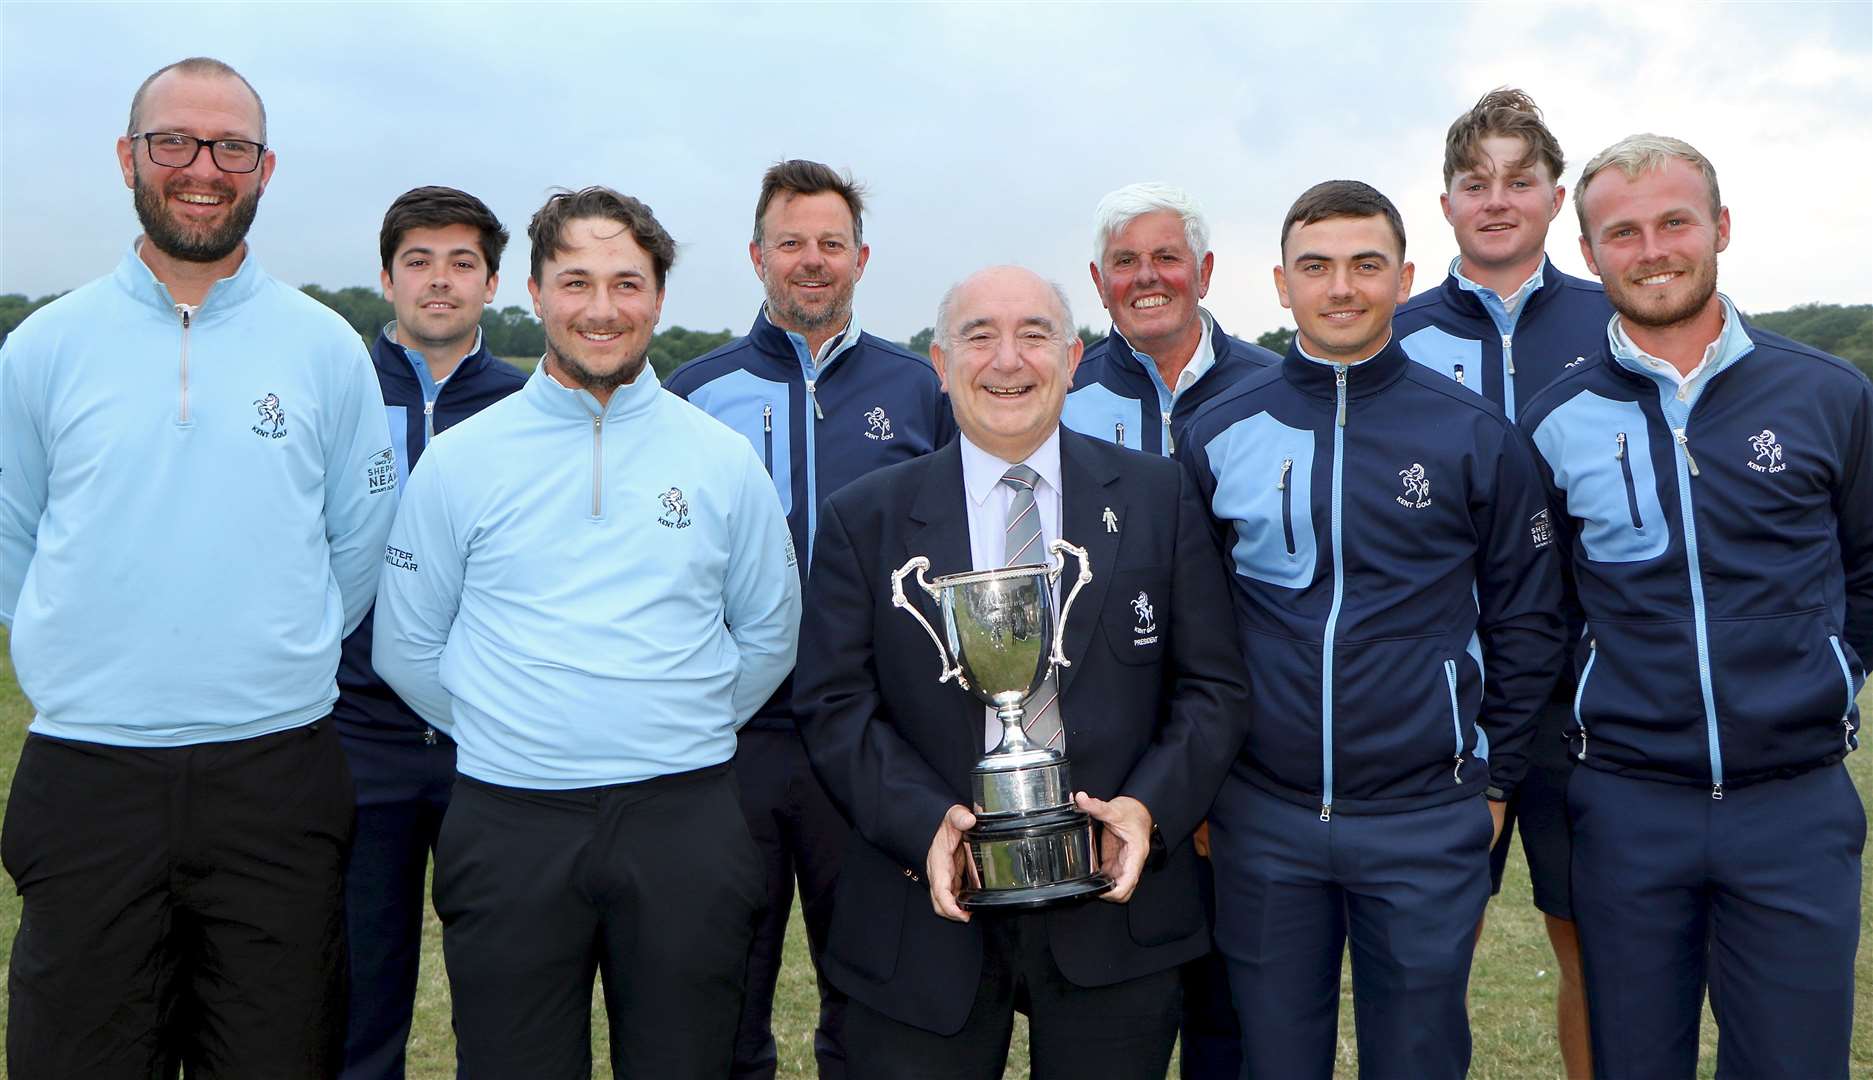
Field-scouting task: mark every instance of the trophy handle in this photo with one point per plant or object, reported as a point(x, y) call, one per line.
point(919, 563)
point(1056, 566)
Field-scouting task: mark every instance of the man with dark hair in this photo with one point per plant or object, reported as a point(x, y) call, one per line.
point(590, 586)
point(442, 258)
point(1712, 491)
point(195, 486)
point(1505, 323)
point(1396, 595)
point(823, 403)
point(1149, 717)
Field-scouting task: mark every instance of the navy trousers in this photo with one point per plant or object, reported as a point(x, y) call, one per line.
point(1212, 1040)
point(403, 784)
point(1756, 894)
point(1405, 890)
point(800, 835)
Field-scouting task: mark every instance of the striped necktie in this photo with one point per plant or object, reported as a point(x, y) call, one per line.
point(1022, 543)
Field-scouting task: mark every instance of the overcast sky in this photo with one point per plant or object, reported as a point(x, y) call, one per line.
point(985, 133)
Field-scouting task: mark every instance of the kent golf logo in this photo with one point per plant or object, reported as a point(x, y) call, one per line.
point(878, 425)
point(675, 509)
point(272, 417)
point(1768, 453)
point(1417, 494)
point(380, 473)
point(1146, 620)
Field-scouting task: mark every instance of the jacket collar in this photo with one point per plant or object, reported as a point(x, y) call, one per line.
point(395, 360)
point(1469, 301)
point(1733, 344)
point(630, 401)
point(1119, 349)
point(1317, 378)
point(782, 345)
point(135, 277)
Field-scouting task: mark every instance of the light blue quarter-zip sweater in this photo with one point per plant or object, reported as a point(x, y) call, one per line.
point(585, 596)
point(192, 502)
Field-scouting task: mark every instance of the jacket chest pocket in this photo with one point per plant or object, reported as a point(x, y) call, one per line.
point(1264, 473)
point(1137, 609)
point(1458, 359)
point(1601, 454)
point(1095, 411)
point(761, 410)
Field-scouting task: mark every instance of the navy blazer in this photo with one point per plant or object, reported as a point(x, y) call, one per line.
point(1155, 715)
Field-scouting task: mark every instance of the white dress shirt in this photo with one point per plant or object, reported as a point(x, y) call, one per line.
point(987, 500)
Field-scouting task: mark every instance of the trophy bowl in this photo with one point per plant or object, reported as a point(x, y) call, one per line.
point(1030, 845)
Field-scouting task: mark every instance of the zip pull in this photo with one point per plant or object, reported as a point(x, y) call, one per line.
point(1619, 440)
point(1287, 464)
point(182, 407)
point(1685, 444)
point(1459, 370)
point(767, 419)
point(1716, 792)
point(1339, 389)
point(817, 414)
point(1326, 812)
point(1170, 444)
point(1846, 739)
point(1456, 773)
point(1118, 434)
point(1508, 351)
point(598, 464)
point(1582, 756)
point(429, 421)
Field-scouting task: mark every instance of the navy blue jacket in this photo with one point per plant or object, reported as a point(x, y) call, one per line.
point(1506, 358)
point(817, 428)
point(1721, 547)
point(1119, 397)
point(418, 410)
point(1396, 590)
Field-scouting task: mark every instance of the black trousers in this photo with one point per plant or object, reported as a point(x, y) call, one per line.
point(183, 908)
point(403, 785)
point(1120, 1032)
point(653, 885)
point(800, 834)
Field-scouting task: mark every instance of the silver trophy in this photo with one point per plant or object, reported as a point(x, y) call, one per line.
point(1030, 845)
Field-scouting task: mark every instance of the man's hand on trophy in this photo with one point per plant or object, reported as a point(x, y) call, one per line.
point(1125, 843)
point(948, 862)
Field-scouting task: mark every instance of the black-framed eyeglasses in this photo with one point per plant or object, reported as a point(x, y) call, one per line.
point(175, 150)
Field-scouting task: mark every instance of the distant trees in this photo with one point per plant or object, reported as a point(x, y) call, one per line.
point(1846, 330)
point(1276, 341)
point(14, 307)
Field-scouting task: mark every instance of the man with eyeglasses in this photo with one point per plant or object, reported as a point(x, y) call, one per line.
point(196, 482)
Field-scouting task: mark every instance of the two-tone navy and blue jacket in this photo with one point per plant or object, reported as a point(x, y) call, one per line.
point(1508, 357)
point(818, 423)
point(1720, 537)
point(418, 410)
point(1397, 594)
point(1119, 396)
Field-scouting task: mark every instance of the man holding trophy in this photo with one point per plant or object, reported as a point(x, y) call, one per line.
point(1111, 705)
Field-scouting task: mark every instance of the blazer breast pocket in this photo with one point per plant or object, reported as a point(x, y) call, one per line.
point(1135, 620)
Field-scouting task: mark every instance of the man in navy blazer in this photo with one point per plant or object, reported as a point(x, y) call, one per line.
point(1152, 709)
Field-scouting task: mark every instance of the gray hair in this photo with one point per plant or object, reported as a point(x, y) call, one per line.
point(195, 65)
point(1635, 154)
point(1133, 201)
point(946, 307)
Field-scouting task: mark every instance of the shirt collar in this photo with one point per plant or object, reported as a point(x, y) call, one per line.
point(833, 346)
point(1305, 355)
point(421, 365)
point(1509, 303)
point(1688, 383)
point(1202, 360)
point(982, 471)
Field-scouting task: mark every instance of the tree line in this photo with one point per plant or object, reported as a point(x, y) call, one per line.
point(1846, 330)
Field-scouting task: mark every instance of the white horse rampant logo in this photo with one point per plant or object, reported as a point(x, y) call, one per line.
point(1417, 494)
point(1767, 449)
point(878, 424)
point(675, 509)
point(1147, 619)
point(273, 415)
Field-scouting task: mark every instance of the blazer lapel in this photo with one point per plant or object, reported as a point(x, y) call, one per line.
point(1091, 495)
point(939, 531)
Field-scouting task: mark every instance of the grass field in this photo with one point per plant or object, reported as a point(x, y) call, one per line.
point(1511, 989)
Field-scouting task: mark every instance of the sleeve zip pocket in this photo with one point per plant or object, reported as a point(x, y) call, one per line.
point(1287, 503)
point(767, 438)
point(1846, 674)
point(1456, 719)
point(1580, 692)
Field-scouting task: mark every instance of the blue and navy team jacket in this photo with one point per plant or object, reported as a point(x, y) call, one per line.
point(817, 427)
point(1396, 589)
point(1721, 546)
point(418, 411)
point(1507, 358)
point(1119, 396)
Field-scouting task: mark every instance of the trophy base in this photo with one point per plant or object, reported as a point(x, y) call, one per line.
point(1033, 861)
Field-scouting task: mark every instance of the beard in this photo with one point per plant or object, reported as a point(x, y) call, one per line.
point(567, 365)
point(794, 315)
point(1703, 285)
point(201, 243)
